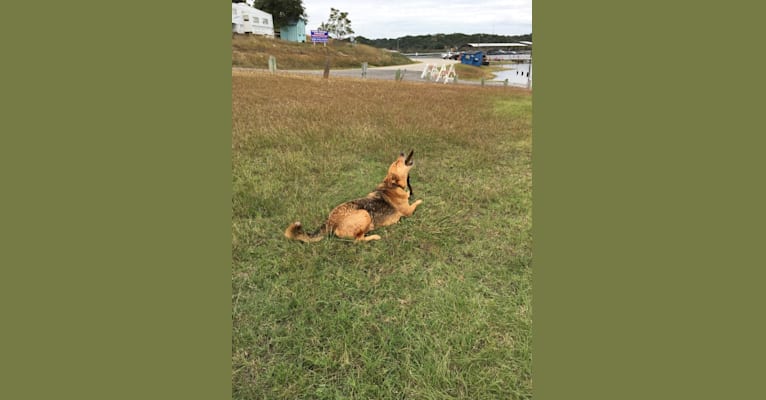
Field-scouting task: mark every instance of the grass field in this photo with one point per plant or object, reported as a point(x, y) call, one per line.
point(441, 307)
point(253, 51)
point(471, 72)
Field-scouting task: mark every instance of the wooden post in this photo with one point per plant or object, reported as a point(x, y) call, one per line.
point(326, 73)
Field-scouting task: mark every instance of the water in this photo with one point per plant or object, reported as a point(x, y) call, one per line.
point(515, 73)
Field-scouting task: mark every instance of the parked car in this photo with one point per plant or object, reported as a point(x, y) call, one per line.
point(450, 55)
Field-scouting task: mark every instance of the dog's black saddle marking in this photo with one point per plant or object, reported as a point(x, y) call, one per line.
point(376, 206)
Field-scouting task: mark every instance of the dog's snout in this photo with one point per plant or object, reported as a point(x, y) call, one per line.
point(408, 160)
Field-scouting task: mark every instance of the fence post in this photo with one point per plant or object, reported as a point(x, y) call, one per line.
point(272, 64)
point(326, 73)
point(364, 70)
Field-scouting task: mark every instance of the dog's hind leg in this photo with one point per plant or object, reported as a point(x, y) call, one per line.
point(354, 225)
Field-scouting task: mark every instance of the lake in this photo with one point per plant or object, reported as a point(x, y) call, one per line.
point(517, 74)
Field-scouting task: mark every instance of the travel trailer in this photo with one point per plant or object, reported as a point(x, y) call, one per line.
point(248, 20)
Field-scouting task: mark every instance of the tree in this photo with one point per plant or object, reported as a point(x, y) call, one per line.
point(339, 26)
point(282, 11)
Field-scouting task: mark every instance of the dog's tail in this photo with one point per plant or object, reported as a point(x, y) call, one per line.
point(295, 231)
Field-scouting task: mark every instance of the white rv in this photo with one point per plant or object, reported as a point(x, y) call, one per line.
point(246, 19)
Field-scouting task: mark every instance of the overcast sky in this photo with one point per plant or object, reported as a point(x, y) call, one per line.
point(392, 19)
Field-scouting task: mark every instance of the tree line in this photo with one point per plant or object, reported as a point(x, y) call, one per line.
point(439, 42)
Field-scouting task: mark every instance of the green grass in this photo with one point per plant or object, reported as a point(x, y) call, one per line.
point(441, 307)
point(472, 72)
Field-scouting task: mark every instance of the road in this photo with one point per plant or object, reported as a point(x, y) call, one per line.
point(412, 71)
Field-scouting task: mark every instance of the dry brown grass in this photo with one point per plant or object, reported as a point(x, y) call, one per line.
point(366, 110)
point(254, 52)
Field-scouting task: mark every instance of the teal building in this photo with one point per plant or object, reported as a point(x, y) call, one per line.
point(294, 31)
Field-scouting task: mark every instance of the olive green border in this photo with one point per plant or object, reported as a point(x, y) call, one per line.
point(116, 213)
point(647, 201)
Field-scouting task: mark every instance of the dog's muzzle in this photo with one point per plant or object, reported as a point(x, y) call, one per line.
point(408, 160)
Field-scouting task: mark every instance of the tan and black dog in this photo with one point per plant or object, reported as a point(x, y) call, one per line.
point(384, 206)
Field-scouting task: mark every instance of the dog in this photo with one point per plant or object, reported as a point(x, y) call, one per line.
point(382, 207)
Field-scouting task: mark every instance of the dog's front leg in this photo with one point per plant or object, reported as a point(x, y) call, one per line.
point(408, 210)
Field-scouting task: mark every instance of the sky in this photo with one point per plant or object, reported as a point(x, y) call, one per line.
point(392, 19)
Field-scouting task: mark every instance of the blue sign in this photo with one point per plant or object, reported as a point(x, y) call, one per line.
point(320, 36)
